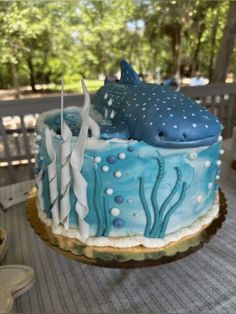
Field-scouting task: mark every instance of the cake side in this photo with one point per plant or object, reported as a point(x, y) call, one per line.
point(134, 189)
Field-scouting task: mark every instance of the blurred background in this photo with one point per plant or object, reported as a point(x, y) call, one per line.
point(185, 44)
point(164, 40)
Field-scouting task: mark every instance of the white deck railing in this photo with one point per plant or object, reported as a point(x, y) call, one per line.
point(17, 122)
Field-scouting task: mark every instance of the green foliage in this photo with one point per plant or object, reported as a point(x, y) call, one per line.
point(41, 41)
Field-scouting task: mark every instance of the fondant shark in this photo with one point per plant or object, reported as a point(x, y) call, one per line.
point(157, 115)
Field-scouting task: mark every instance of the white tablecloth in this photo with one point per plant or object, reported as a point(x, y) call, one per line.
point(204, 282)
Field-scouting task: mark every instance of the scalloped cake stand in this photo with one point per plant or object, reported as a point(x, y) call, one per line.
point(119, 257)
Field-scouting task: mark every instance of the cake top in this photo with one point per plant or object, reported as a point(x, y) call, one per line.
point(157, 115)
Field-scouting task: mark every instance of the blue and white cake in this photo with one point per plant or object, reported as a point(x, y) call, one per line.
point(139, 169)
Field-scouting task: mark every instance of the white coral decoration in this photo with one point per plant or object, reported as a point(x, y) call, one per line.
point(52, 177)
point(76, 160)
point(65, 175)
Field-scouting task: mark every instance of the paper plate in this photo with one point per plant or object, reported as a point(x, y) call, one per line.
point(14, 281)
point(3, 243)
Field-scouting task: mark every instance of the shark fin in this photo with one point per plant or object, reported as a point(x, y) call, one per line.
point(128, 75)
point(107, 81)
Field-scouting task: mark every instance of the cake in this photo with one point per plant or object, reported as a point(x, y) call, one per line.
point(138, 168)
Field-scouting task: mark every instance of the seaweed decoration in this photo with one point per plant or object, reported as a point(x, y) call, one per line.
point(161, 214)
point(145, 206)
point(97, 204)
point(101, 208)
point(160, 176)
point(107, 218)
point(171, 210)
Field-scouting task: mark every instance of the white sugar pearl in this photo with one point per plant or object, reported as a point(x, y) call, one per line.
point(97, 159)
point(122, 155)
point(222, 151)
point(38, 137)
point(115, 211)
point(220, 138)
point(210, 185)
point(118, 174)
point(217, 177)
point(218, 162)
point(130, 201)
point(207, 164)
point(192, 156)
point(105, 168)
point(109, 191)
point(199, 199)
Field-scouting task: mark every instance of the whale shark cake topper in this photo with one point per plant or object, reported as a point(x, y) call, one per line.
point(154, 114)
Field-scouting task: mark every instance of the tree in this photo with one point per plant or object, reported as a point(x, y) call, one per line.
point(226, 46)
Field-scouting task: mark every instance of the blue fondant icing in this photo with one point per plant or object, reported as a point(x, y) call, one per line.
point(114, 131)
point(154, 114)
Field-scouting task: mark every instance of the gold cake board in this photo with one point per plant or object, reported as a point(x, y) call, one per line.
point(123, 257)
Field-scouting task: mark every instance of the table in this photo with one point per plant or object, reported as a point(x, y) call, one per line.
point(203, 282)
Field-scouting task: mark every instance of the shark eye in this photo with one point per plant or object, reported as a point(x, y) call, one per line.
point(161, 134)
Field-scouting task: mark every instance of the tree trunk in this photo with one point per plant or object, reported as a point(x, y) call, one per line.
point(213, 44)
point(226, 46)
point(195, 60)
point(15, 81)
point(179, 53)
point(31, 69)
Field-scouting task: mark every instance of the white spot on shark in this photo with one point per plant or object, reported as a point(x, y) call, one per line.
point(112, 115)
